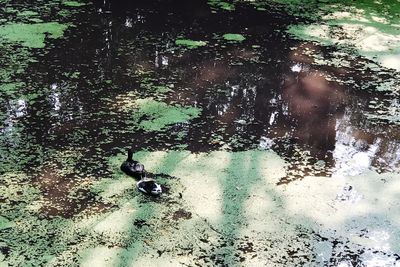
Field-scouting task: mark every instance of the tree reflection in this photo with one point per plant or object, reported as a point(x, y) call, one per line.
point(254, 96)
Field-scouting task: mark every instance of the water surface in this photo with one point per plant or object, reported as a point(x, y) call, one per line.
point(90, 80)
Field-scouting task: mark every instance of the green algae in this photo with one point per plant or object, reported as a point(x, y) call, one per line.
point(372, 43)
point(32, 35)
point(190, 43)
point(64, 13)
point(73, 4)
point(162, 89)
point(15, 62)
point(306, 32)
point(369, 27)
point(152, 115)
point(27, 13)
point(56, 241)
point(10, 88)
point(36, 20)
point(384, 112)
point(234, 37)
point(72, 75)
point(5, 223)
point(10, 10)
point(243, 206)
point(16, 192)
point(212, 178)
point(116, 238)
point(242, 198)
point(150, 86)
point(221, 5)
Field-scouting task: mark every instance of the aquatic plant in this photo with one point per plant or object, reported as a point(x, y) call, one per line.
point(234, 37)
point(32, 35)
point(152, 115)
point(190, 43)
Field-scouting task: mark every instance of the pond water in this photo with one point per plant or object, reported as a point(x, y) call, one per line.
point(192, 83)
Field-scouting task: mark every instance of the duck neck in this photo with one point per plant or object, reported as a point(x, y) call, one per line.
point(130, 155)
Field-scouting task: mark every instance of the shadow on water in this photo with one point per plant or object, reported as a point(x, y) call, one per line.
point(237, 186)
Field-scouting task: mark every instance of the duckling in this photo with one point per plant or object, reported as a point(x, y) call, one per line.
point(149, 186)
point(132, 167)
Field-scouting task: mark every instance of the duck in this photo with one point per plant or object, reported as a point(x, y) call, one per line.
point(136, 169)
point(149, 186)
point(132, 167)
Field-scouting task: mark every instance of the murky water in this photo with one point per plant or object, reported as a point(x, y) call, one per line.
point(72, 104)
point(261, 92)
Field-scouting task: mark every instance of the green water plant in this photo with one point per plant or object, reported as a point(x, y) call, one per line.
point(234, 37)
point(73, 3)
point(221, 5)
point(32, 35)
point(190, 43)
point(152, 115)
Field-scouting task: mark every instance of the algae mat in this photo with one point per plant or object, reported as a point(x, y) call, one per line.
point(274, 136)
point(222, 208)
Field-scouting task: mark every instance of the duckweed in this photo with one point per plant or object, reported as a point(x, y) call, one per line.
point(65, 202)
point(234, 37)
point(152, 115)
point(5, 223)
point(221, 5)
point(73, 3)
point(10, 88)
point(379, 41)
point(27, 13)
point(190, 43)
point(32, 35)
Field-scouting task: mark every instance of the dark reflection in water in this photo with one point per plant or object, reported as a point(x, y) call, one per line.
point(253, 94)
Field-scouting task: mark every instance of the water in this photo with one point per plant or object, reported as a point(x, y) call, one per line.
point(74, 100)
point(250, 91)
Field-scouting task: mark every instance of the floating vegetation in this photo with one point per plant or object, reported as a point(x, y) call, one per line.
point(152, 115)
point(10, 88)
point(221, 5)
point(27, 13)
point(234, 37)
point(369, 27)
point(384, 112)
point(190, 43)
point(32, 35)
point(73, 3)
point(267, 151)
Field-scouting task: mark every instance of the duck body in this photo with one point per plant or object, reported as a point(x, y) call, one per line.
point(149, 186)
point(132, 167)
point(135, 169)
